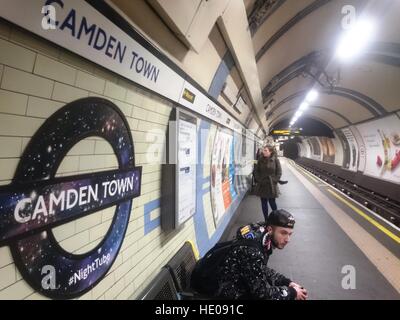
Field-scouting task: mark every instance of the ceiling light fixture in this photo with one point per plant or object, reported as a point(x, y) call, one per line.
point(355, 40)
point(298, 114)
point(312, 95)
point(303, 106)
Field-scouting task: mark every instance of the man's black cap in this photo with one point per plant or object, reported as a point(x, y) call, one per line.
point(281, 218)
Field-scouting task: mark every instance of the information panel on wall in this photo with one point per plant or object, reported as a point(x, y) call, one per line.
point(186, 167)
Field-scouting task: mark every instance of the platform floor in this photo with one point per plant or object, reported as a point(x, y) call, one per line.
point(333, 235)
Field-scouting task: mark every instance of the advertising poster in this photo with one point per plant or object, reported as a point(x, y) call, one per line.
point(361, 149)
point(303, 150)
point(187, 139)
point(345, 148)
point(238, 162)
point(328, 150)
point(338, 150)
point(382, 144)
point(300, 149)
point(316, 149)
point(352, 151)
point(232, 169)
point(222, 174)
point(217, 201)
point(226, 190)
point(308, 148)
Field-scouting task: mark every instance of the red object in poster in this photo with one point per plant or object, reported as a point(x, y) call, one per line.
point(379, 161)
point(396, 160)
point(226, 193)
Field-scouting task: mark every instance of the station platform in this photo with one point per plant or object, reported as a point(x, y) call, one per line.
point(334, 239)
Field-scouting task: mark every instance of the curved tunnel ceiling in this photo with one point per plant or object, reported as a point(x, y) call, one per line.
point(294, 42)
point(331, 119)
point(309, 127)
point(349, 104)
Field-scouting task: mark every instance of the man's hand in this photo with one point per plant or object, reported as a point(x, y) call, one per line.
point(301, 292)
point(294, 284)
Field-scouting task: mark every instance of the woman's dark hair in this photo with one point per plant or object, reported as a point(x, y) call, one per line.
point(271, 149)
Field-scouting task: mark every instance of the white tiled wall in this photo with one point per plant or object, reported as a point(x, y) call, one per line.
point(36, 79)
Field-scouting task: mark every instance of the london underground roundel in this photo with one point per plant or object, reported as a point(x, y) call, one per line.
point(37, 201)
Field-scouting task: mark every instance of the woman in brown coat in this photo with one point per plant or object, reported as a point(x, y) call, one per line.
point(267, 174)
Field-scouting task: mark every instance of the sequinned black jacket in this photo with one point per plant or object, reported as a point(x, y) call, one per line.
point(243, 274)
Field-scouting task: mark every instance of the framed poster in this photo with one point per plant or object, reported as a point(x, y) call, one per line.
point(361, 148)
point(186, 167)
point(223, 174)
point(352, 151)
point(217, 201)
point(300, 149)
point(382, 144)
point(328, 149)
point(338, 149)
point(316, 153)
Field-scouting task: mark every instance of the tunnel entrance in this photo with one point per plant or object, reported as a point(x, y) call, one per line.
point(290, 150)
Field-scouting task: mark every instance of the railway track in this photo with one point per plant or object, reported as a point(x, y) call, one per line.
point(387, 208)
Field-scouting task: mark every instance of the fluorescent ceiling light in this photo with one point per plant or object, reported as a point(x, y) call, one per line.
point(298, 114)
point(354, 41)
point(303, 106)
point(312, 95)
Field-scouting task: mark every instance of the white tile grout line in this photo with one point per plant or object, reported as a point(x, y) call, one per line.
point(385, 261)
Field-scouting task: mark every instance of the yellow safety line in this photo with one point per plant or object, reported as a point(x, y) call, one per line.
point(369, 219)
point(308, 174)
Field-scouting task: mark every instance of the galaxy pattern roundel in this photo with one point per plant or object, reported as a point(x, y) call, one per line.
point(36, 201)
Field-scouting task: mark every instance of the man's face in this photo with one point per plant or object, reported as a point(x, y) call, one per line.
point(266, 152)
point(280, 236)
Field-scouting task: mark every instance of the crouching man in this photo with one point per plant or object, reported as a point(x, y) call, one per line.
point(238, 269)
